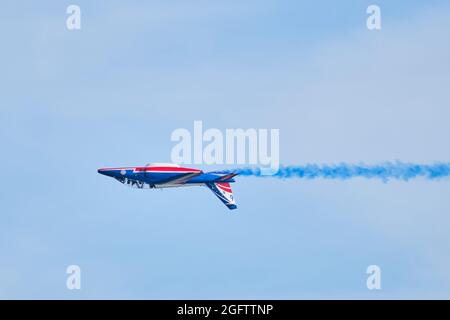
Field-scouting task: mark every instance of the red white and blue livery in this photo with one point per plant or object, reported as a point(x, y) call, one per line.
point(165, 175)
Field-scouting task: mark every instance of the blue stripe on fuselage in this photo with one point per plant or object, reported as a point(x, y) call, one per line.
point(207, 177)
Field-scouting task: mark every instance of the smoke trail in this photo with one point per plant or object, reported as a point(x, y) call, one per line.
point(383, 171)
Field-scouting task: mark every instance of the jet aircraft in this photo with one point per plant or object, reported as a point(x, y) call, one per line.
point(167, 175)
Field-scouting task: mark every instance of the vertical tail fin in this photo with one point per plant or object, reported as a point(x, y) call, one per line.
point(223, 191)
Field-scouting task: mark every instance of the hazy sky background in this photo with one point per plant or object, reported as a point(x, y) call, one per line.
point(111, 93)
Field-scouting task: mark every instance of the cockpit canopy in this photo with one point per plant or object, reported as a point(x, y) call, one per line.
point(156, 164)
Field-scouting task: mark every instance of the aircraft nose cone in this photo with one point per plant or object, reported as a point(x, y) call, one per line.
point(104, 172)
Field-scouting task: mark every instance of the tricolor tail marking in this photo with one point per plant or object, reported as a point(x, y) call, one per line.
point(223, 191)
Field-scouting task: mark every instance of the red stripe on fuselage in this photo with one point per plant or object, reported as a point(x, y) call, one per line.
point(165, 169)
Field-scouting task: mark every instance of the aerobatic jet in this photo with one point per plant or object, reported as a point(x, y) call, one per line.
point(167, 175)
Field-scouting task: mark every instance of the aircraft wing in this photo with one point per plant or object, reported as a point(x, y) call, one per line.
point(181, 179)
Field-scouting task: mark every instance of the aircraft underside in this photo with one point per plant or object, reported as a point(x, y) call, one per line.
point(148, 185)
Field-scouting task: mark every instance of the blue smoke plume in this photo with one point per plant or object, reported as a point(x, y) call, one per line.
point(384, 171)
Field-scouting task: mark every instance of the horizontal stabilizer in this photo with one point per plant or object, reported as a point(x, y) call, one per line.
point(227, 177)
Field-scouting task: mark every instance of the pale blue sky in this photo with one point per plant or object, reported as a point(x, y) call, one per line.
point(111, 93)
